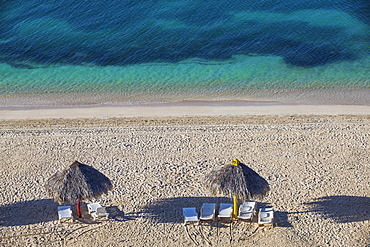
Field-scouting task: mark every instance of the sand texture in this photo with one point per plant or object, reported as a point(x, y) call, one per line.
point(317, 166)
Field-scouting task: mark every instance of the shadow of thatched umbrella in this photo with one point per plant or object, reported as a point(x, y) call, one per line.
point(342, 209)
point(169, 210)
point(238, 181)
point(78, 182)
point(27, 212)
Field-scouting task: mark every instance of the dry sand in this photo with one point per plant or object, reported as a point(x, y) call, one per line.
point(317, 166)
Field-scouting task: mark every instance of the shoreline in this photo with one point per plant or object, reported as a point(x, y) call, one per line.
point(181, 109)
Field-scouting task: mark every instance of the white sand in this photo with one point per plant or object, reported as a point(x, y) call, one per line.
point(317, 166)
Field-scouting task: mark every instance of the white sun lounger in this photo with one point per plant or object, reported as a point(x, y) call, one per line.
point(96, 210)
point(246, 211)
point(65, 212)
point(207, 211)
point(225, 211)
point(265, 216)
point(190, 215)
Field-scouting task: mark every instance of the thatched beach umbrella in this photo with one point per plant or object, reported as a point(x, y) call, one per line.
point(238, 181)
point(78, 182)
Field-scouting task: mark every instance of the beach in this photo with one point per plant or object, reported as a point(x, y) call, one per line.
point(156, 95)
point(315, 158)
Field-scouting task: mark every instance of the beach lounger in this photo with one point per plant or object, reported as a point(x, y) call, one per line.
point(96, 210)
point(265, 216)
point(207, 211)
point(190, 215)
point(65, 212)
point(225, 211)
point(246, 211)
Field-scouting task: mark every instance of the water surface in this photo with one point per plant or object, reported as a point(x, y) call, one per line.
point(134, 52)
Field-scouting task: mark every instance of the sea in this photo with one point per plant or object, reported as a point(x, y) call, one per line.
point(130, 52)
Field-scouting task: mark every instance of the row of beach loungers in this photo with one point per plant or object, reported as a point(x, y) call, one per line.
point(94, 209)
point(247, 211)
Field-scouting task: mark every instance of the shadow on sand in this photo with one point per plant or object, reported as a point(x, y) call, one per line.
point(45, 210)
point(28, 212)
point(169, 210)
point(114, 214)
point(342, 209)
point(280, 217)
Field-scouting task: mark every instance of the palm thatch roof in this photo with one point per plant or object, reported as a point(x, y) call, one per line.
point(237, 180)
point(78, 182)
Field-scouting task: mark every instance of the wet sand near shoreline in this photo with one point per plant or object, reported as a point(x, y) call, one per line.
point(180, 109)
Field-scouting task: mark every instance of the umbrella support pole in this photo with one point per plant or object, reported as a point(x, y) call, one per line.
point(235, 211)
point(79, 209)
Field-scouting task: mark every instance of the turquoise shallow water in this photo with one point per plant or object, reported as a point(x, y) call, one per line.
point(133, 52)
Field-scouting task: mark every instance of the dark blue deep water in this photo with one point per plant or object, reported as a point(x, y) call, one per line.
point(187, 47)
